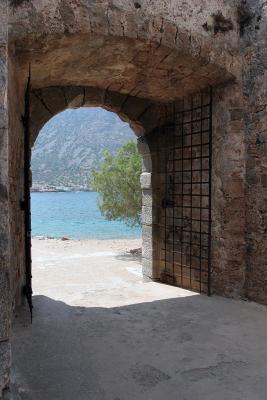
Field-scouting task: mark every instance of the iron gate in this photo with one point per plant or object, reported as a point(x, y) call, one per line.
point(187, 201)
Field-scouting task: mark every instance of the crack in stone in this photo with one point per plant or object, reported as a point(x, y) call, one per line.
point(220, 370)
point(43, 103)
point(64, 95)
point(123, 28)
point(176, 34)
point(148, 376)
point(108, 21)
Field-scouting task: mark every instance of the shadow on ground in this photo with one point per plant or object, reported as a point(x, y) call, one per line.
point(184, 348)
point(129, 257)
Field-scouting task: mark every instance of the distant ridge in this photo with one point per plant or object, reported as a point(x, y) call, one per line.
point(71, 144)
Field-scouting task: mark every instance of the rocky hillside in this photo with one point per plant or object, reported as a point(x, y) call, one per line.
point(72, 143)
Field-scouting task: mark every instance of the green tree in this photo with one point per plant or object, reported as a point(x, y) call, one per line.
point(117, 180)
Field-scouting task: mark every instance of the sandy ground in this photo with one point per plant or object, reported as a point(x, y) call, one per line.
point(101, 333)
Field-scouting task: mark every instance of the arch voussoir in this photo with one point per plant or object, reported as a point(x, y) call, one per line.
point(141, 114)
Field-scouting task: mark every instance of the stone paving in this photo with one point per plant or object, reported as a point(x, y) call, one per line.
point(122, 338)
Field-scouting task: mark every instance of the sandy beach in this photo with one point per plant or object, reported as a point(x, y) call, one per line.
point(69, 270)
point(84, 246)
point(94, 273)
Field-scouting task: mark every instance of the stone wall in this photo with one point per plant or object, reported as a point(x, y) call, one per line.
point(160, 54)
point(5, 306)
point(228, 249)
point(228, 192)
point(139, 59)
point(16, 182)
point(254, 52)
point(148, 211)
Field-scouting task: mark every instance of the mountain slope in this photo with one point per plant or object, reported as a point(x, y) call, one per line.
point(72, 143)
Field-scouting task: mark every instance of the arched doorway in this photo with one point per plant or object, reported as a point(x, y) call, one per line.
point(138, 68)
point(138, 64)
point(39, 106)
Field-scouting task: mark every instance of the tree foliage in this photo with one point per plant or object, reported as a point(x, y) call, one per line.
point(118, 182)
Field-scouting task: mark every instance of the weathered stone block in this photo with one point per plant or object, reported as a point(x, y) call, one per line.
point(264, 180)
point(53, 98)
point(262, 137)
point(147, 199)
point(147, 247)
point(136, 126)
point(39, 116)
point(74, 96)
point(147, 215)
point(150, 118)
point(146, 164)
point(3, 70)
point(5, 365)
point(147, 267)
point(3, 118)
point(5, 308)
point(3, 144)
point(147, 251)
point(145, 180)
point(3, 192)
point(143, 147)
point(113, 101)
point(94, 97)
point(237, 114)
point(147, 233)
point(134, 107)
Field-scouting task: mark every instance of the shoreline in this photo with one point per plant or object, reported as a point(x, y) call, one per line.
point(87, 246)
point(61, 191)
point(68, 239)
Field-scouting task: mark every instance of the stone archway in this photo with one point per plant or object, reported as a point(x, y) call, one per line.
point(140, 114)
point(124, 49)
point(137, 61)
point(125, 60)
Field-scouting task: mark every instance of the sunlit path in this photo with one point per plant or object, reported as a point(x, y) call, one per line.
point(101, 333)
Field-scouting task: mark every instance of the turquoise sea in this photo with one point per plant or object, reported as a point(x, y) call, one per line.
point(74, 215)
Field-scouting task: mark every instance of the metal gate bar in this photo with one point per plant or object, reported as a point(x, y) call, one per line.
point(187, 201)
